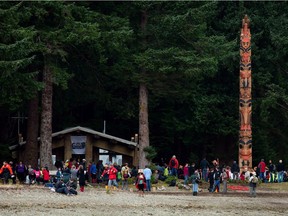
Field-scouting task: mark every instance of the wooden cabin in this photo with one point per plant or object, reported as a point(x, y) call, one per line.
point(80, 142)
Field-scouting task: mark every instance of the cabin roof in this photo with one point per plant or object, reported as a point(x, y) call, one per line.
point(86, 130)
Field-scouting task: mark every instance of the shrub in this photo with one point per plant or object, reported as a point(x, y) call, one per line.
point(170, 179)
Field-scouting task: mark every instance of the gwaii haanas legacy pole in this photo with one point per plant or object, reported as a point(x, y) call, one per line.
point(245, 99)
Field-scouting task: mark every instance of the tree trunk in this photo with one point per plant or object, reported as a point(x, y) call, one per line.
point(143, 107)
point(30, 155)
point(46, 119)
point(143, 125)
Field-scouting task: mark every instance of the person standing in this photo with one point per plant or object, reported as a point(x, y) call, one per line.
point(174, 164)
point(83, 163)
point(147, 173)
point(81, 176)
point(112, 175)
point(211, 179)
point(252, 184)
point(125, 171)
point(225, 177)
point(235, 170)
point(93, 172)
point(140, 182)
point(217, 176)
point(272, 169)
point(186, 173)
point(204, 165)
point(280, 170)
point(195, 181)
point(261, 167)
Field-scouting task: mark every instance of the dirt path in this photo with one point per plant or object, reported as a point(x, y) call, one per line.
point(95, 201)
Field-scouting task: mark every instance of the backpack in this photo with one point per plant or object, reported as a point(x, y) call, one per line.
point(217, 175)
point(173, 163)
point(172, 183)
point(254, 179)
point(119, 175)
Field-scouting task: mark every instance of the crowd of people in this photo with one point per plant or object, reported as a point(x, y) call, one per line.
point(78, 172)
point(23, 173)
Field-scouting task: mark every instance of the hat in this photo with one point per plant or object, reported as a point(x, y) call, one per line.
point(84, 159)
point(280, 161)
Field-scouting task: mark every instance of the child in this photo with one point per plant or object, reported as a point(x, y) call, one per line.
point(252, 184)
point(195, 181)
point(141, 182)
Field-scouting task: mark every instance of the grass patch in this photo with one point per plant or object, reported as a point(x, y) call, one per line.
point(275, 186)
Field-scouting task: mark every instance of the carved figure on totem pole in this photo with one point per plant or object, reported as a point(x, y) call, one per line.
point(245, 98)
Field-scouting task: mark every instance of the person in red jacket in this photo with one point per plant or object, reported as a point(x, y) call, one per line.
point(262, 167)
point(6, 171)
point(112, 173)
point(173, 164)
point(46, 175)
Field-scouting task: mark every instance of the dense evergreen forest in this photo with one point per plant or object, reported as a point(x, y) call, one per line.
point(82, 63)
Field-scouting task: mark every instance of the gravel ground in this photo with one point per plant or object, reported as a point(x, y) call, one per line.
point(34, 200)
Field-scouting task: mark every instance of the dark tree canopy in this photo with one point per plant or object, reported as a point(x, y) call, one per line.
point(191, 62)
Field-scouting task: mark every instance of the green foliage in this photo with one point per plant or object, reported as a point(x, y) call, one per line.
point(4, 151)
point(150, 152)
point(18, 81)
point(169, 179)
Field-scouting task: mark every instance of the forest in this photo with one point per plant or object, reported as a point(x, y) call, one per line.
point(168, 71)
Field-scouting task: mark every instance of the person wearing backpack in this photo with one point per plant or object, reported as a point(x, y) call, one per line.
point(173, 164)
point(217, 176)
point(125, 171)
point(253, 180)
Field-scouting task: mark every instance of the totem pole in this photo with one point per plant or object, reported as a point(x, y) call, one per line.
point(245, 99)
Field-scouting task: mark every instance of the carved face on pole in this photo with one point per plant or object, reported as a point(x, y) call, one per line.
point(245, 36)
point(245, 114)
point(245, 148)
point(245, 152)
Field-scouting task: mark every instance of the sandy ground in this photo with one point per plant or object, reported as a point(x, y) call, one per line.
point(37, 200)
